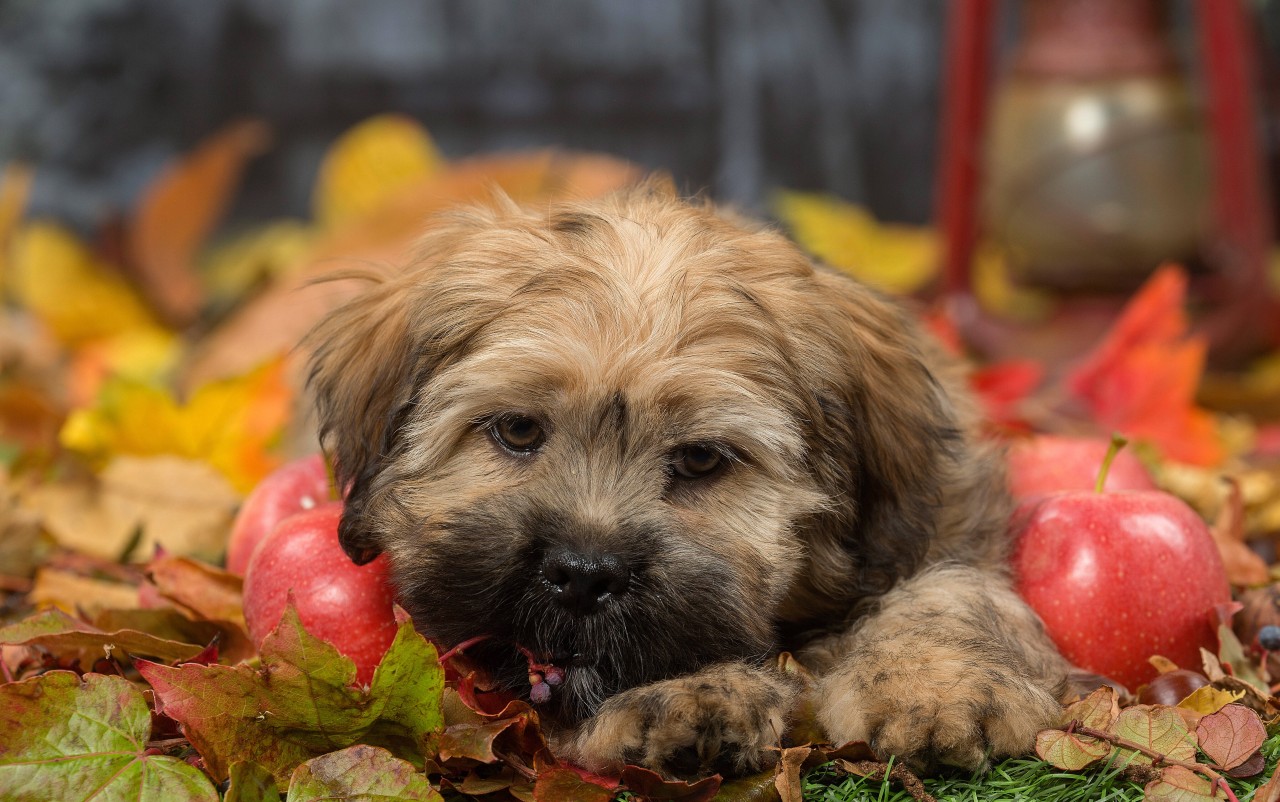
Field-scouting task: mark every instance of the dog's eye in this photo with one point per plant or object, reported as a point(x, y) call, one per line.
point(518, 433)
point(695, 462)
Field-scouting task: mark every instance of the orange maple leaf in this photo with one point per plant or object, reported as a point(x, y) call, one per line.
point(1141, 379)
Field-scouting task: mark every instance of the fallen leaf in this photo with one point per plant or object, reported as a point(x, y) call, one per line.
point(230, 424)
point(180, 209)
point(562, 784)
point(652, 787)
point(1270, 790)
point(474, 741)
point(359, 773)
point(68, 738)
point(752, 788)
point(369, 165)
point(202, 589)
point(997, 292)
point(1156, 728)
point(1254, 765)
point(73, 514)
point(1243, 565)
point(73, 293)
point(232, 641)
point(180, 505)
point(1230, 736)
point(1070, 751)
point(895, 258)
point(1002, 389)
point(787, 775)
point(1098, 710)
point(1141, 379)
point(302, 701)
point(1208, 699)
point(247, 263)
point(1178, 784)
point(73, 593)
point(63, 634)
point(250, 782)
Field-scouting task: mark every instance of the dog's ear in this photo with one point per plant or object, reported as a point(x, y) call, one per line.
point(887, 434)
point(361, 375)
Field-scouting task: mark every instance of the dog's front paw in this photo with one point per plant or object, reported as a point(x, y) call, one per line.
point(936, 705)
point(726, 719)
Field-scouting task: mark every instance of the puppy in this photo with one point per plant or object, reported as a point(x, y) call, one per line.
point(644, 445)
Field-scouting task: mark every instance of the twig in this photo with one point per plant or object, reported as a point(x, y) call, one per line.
point(897, 773)
point(1158, 759)
point(457, 650)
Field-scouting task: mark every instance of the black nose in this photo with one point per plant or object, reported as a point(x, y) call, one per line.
point(581, 581)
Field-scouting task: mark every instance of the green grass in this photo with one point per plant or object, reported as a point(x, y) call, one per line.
point(1013, 780)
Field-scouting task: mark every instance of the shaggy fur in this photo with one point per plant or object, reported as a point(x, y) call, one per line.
point(852, 517)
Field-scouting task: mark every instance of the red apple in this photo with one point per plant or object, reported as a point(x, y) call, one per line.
point(1118, 577)
point(300, 485)
point(348, 605)
point(1049, 463)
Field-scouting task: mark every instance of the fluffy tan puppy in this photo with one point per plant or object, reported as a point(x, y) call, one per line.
point(649, 445)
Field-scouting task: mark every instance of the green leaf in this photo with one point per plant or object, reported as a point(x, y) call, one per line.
point(70, 739)
point(303, 701)
point(60, 633)
point(1178, 784)
point(1231, 736)
point(1070, 751)
point(251, 782)
point(1157, 728)
point(360, 774)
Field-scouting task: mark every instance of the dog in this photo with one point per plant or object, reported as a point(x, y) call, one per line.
point(643, 444)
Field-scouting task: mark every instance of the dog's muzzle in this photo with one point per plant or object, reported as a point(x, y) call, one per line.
point(584, 581)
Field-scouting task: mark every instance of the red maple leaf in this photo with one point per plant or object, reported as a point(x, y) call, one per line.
point(1141, 379)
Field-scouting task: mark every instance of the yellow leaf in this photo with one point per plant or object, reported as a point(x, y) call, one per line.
point(229, 424)
point(1208, 699)
point(235, 268)
point(74, 294)
point(896, 258)
point(147, 355)
point(998, 293)
point(369, 164)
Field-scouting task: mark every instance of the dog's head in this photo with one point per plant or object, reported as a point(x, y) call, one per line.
point(626, 438)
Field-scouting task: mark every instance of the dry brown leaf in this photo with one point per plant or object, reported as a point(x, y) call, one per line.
point(73, 514)
point(77, 594)
point(1244, 567)
point(179, 211)
point(183, 505)
point(205, 590)
point(787, 777)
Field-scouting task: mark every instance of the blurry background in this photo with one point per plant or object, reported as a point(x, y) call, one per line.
point(735, 96)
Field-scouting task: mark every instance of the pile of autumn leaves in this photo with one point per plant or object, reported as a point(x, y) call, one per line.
point(146, 384)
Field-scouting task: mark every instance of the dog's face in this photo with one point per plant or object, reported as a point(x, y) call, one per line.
point(626, 439)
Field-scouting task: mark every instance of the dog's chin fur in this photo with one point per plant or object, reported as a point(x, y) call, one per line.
point(628, 329)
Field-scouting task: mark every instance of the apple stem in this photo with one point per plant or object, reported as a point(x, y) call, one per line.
point(1118, 441)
